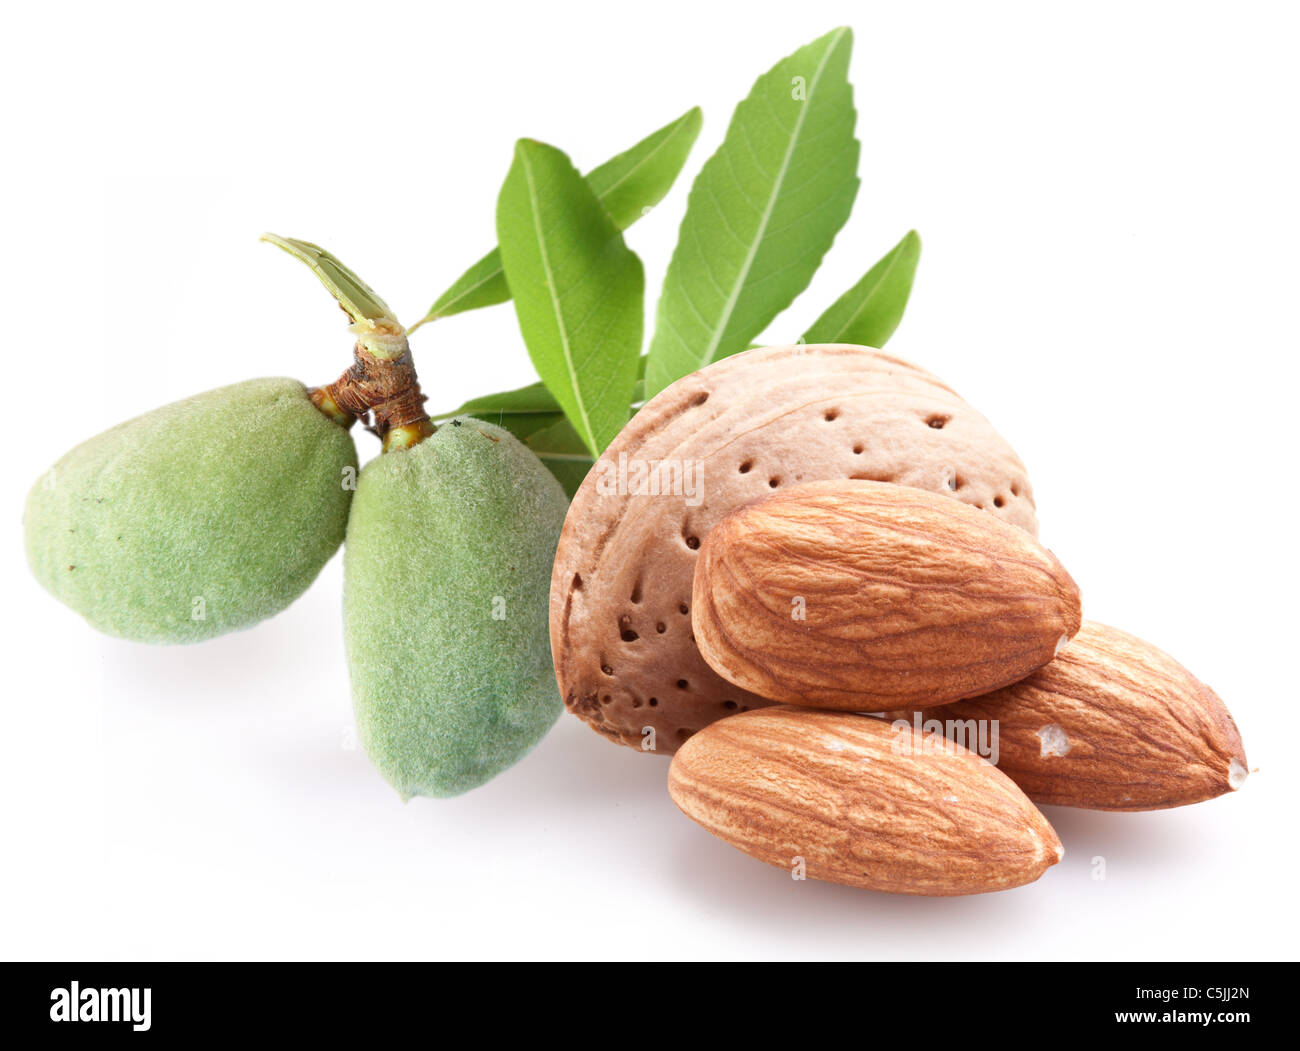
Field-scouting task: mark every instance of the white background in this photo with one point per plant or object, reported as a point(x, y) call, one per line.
point(1107, 198)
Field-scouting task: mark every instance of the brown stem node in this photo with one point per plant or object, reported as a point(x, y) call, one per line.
point(383, 388)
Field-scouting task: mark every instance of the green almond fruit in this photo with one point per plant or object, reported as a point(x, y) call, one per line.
point(202, 517)
point(447, 573)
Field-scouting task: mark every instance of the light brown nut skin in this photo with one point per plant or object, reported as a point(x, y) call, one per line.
point(865, 596)
point(1111, 724)
point(861, 803)
point(621, 637)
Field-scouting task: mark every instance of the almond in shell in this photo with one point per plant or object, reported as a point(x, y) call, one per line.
point(743, 427)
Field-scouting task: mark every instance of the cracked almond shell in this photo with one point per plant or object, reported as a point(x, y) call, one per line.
point(765, 419)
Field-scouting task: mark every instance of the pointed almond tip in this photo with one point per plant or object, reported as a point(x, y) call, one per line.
point(1052, 850)
point(1237, 773)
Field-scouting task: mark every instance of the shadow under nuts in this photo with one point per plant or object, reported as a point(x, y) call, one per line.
point(851, 799)
point(869, 596)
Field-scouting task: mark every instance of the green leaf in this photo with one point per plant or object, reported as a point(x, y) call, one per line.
point(869, 312)
point(358, 300)
point(632, 183)
point(762, 212)
point(482, 285)
point(579, 291)
point(628, 186)
point(559, 447)
point(534, 398)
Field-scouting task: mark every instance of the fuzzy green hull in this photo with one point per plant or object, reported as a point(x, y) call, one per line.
point(202, 517)
point(447, 573)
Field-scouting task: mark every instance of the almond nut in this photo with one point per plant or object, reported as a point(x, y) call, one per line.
point(1111, 724)
point(856, 595)
point(851, 799)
